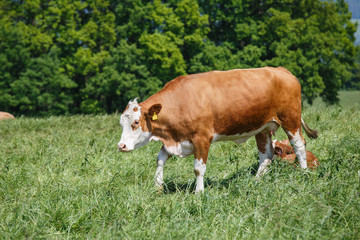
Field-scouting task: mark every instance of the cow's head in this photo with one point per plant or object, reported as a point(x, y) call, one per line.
point(282, 148)
point(135, 126)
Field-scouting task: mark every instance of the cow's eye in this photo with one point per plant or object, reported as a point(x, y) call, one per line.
point(135, 125)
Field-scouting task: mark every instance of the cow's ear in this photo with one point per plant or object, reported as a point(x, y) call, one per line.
point(278, 151)
point(154, 110)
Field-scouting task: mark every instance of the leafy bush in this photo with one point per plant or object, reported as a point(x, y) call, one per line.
point(110, 52)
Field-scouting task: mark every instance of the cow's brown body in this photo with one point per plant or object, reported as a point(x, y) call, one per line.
point(225, 103)
point(194, 111)
point(312, 161)
point(6, 115)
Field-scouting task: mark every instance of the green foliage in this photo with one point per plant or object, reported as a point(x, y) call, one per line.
point(355, 81)
point(14, 57)
point(62, 177)
point(43, 89)
point(313, 39)
point(212, 57)
point(109, 52)
point(124, 77)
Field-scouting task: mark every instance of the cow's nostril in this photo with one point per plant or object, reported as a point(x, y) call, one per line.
point(122, 146)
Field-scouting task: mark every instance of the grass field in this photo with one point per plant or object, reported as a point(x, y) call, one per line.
point(62, 177)
point(348, 99)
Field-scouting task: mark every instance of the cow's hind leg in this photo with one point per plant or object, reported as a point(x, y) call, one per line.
point(266, 151)
point(298, 142)
point(162, 157)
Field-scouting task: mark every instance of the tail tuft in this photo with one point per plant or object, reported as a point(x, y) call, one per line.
point(311, 133)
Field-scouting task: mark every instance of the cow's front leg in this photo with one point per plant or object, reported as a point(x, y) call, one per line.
point(162, 157)
point(201, 155)
point(199, 169)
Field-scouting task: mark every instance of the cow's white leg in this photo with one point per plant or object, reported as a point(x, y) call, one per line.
point(201, 151)
point(162, 157)
point(199, 169)
point(298, 144)
point(266, 151)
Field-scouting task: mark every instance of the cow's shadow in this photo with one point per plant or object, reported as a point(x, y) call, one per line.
point(171, 186)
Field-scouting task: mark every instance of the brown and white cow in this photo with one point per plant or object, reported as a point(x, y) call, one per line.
point(6, 115)
point(191, 112)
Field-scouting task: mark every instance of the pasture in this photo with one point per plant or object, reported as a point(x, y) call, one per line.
point(63, 178)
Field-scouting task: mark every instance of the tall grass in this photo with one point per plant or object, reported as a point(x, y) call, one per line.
point(62, 177)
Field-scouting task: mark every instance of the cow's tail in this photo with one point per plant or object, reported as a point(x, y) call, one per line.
point(310, 132)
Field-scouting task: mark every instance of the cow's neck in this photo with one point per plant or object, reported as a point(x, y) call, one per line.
point(160, 128)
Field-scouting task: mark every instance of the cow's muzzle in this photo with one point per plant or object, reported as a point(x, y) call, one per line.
point(122, 147)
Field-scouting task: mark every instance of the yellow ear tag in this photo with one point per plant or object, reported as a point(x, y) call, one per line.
point(154, 117)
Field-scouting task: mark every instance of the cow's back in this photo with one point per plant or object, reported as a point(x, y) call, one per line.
point(6, 115)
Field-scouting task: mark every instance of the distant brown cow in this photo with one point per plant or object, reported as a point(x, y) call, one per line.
point(5, 115)
point(286, 152)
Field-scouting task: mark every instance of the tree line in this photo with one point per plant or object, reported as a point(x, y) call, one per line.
point(93, 56)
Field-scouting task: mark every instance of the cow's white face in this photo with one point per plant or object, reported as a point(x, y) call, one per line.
point(133, 135)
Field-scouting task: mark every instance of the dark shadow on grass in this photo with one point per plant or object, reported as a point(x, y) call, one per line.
point(171, 186)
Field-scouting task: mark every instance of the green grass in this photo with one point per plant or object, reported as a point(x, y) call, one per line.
point(348, 99)
point(62, 177)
